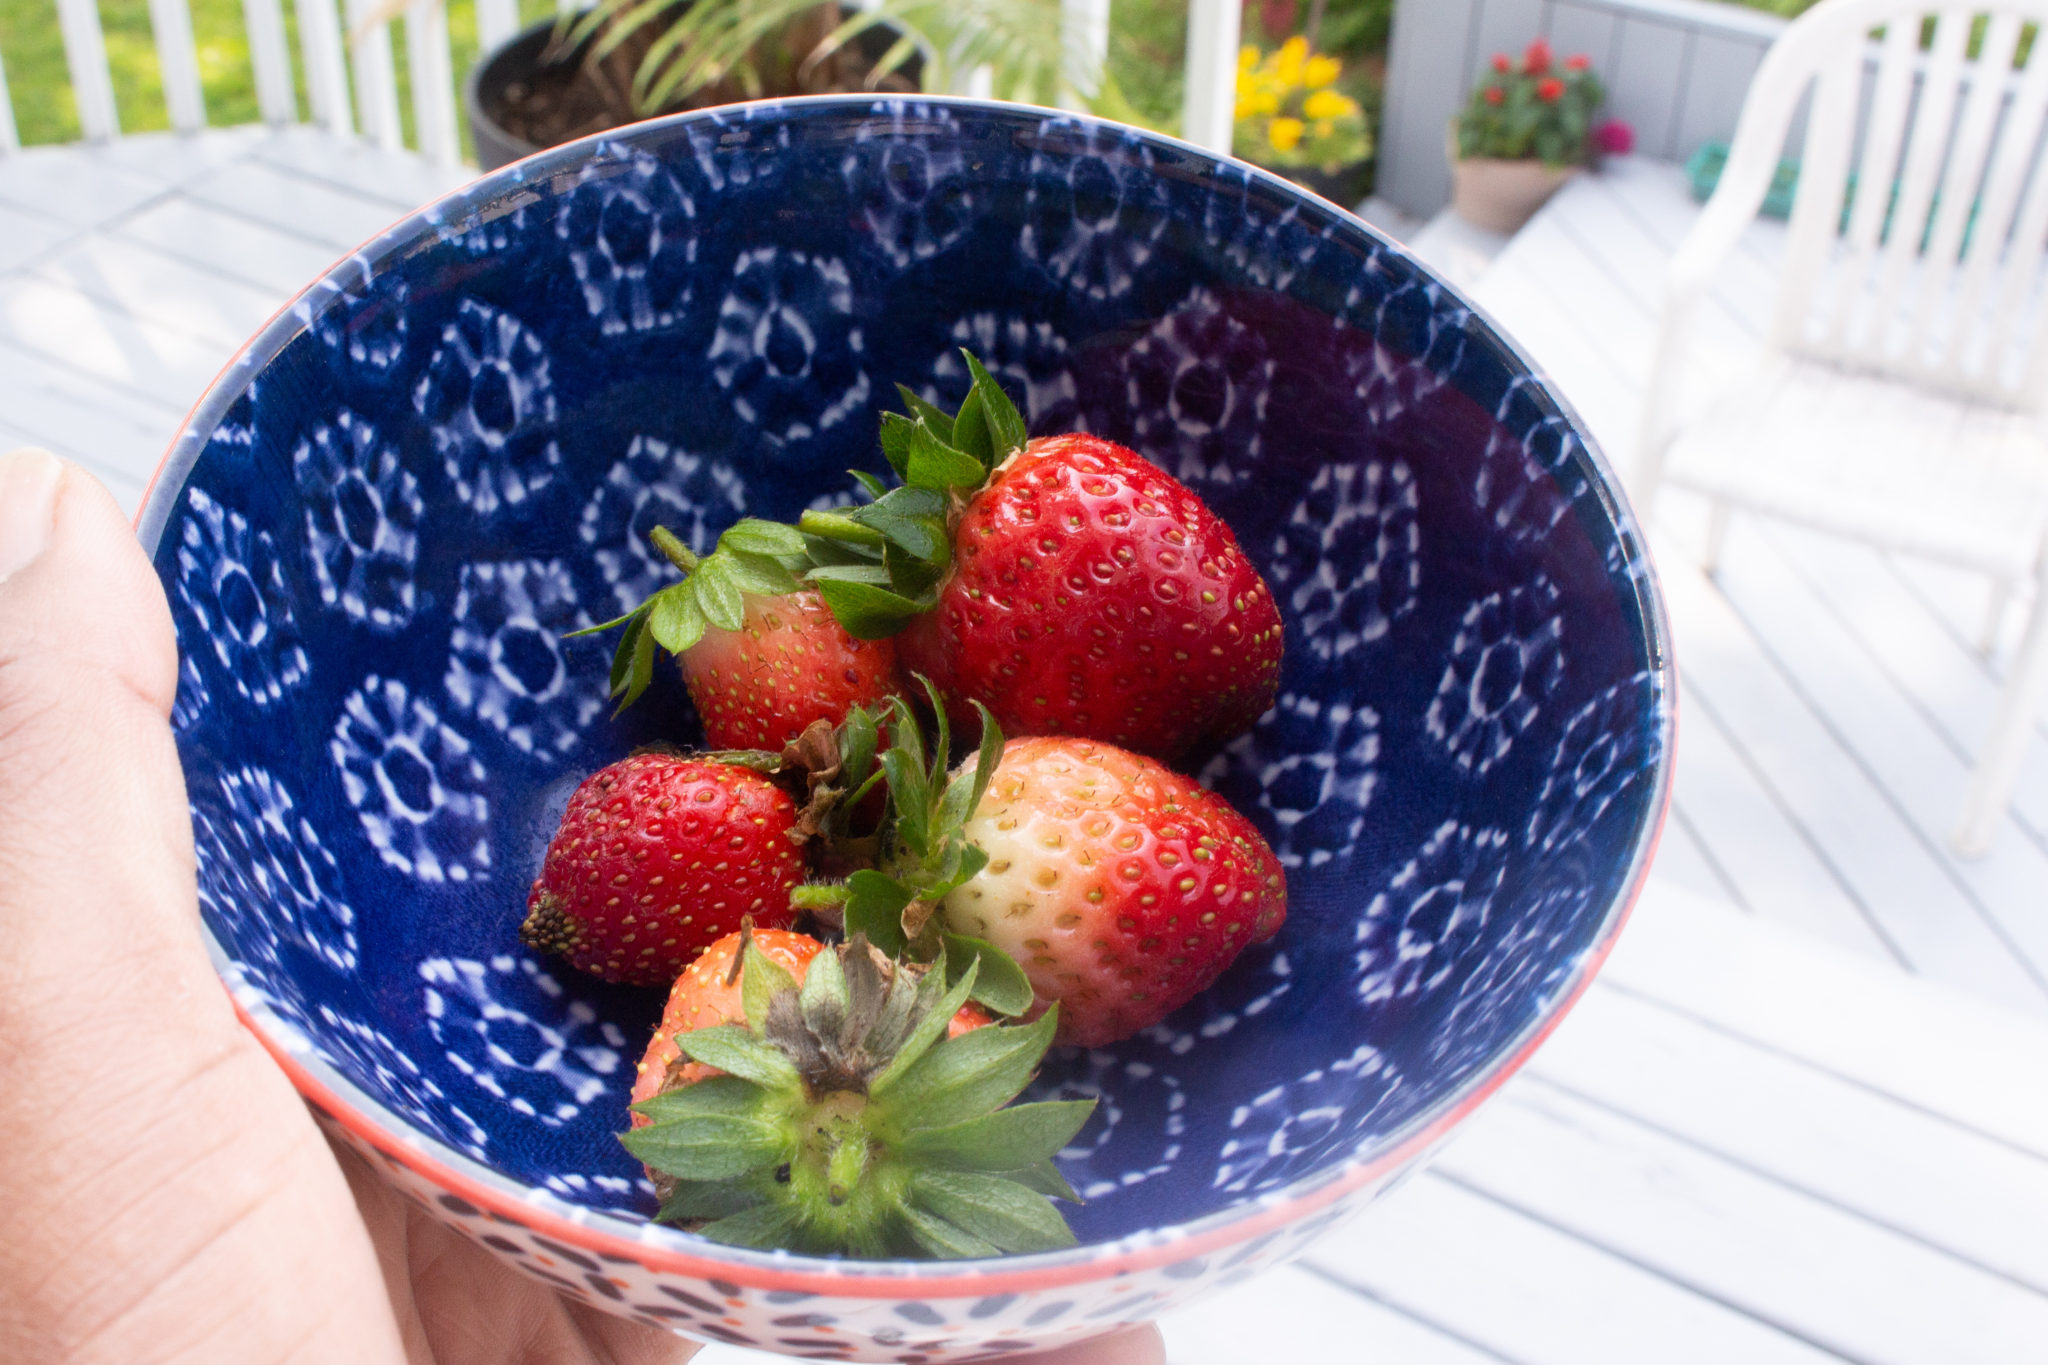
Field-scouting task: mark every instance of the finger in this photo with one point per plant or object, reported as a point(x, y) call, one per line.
point(163, 1194)
point(1133, 1346)
point(458, 1304)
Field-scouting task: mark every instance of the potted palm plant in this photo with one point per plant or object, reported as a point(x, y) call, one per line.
point(1528, 128)
point(625, 60)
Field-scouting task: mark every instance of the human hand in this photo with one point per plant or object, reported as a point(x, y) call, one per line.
point(164, 1194)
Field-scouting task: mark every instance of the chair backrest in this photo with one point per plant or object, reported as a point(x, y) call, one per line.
point(1918, 244)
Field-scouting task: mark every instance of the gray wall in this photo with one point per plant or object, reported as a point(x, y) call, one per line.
point(1675, 69)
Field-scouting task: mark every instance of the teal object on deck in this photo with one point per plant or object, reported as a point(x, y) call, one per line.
point(1704, 171)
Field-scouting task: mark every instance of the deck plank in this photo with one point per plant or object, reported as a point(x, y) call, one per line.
point(117, 433)
point(301, 205)
point(1829, 1276)
point(1296, 1314)
point(1468, 1265)
point(166, 364)
point(280, 263)
point(149, 284)
point(1891, 1163)
point(75, 187)
point(25, 235)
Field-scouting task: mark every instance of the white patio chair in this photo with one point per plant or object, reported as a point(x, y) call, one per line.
point(1899, 395)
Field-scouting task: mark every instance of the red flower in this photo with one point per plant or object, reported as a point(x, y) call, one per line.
point(1578, 63)
point(1549, 88)
point(1536, 60)
point(1495, 95)
point(1615, 138)
point(1501, 63)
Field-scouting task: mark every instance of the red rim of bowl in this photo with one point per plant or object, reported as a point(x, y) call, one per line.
point(668, 1250)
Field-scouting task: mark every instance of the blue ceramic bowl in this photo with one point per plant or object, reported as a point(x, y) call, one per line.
point(380, 522)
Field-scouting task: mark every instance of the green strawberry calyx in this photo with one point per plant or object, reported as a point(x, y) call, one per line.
point(879, 564)
point(876, 564)
point(847, 1122)
point(752, 557)
point(924, 855)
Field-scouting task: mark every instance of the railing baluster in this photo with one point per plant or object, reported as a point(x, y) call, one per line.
point(433, 81)
point(1084, 42)
point(178, 60)
point(326, 74)
point(496, 22)
point(376, 78)
point(271, 60)
point(10, 140)
point(1211, 106)
point(85, 52)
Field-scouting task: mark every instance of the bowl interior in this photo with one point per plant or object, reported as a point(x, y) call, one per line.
point(384, 519)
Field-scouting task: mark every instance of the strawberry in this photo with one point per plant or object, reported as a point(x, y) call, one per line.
point(788, 665)
point(1071, 871)
point(1121, 887)
point(657, 856)
point(1092, 594)
point(1066, 583)
point(848, 1114)
point(707, 994)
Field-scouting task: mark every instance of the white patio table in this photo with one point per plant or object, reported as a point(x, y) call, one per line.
point(1748, 1143)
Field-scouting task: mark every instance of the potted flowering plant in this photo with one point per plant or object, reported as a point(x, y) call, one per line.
point(1292, 120)
point(1527, 129)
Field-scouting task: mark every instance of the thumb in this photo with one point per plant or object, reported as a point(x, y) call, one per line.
point(163, 1193)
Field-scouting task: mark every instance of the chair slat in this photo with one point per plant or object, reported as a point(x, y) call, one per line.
point(1817, 210)
point(10, 138)
point(85, 53)
point(1890, 100)
point(2019, 149)
point(1210, 110)
point(2019, 287)
point(326, 72)
point(496, 22)
point(1931, 343)
point(271, 60)
point(1925, 149)
point(178, 60)
point(376, 78)
point(433, 81)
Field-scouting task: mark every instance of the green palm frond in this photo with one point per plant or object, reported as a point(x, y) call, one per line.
point(697, 45)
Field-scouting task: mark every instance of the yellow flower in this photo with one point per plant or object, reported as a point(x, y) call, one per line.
point(1321, 71)
point(1293, 55)
point(1285, 134)
point(1264, 102)
point(1328, 104)
point(1247, 58)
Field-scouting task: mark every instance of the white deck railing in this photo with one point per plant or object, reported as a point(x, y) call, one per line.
point(352, 86)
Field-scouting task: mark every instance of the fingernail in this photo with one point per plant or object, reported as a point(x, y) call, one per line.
point(28, 503)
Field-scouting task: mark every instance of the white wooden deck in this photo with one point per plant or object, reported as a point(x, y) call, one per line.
point(1761, 1138)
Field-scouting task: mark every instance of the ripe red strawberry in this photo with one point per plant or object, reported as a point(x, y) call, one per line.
point(657, 857)
point(1121, 887)
point(830, 1100)
point(1093, 594)
point(788, 665)
point(1066, 583)
point(707, 994)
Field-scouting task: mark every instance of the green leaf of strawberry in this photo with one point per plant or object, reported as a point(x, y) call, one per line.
point(848, 1122)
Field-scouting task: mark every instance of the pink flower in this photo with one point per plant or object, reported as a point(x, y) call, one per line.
point(1536, 60)
point(1615, 138)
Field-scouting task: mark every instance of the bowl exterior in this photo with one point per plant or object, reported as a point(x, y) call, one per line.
point(381, 523)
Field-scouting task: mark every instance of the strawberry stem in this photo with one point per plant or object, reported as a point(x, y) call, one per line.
point(834, 526)
point(673, 549)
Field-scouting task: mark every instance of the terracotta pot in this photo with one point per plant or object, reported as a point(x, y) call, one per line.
point(1501, 196)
